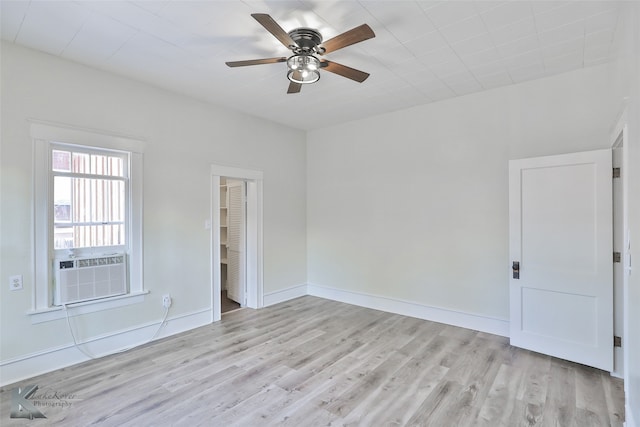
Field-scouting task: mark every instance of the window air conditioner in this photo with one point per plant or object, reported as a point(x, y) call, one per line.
point(84, 279)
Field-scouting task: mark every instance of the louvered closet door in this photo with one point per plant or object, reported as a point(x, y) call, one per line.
point(236, 240)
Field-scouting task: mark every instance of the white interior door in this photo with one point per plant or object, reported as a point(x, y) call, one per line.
point(560, 214)
point(236, 240)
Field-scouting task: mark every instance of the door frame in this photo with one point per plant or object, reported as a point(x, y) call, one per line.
point(254, 256)
point(619, 140)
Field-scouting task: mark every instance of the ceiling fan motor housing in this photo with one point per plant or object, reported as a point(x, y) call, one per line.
point(306, 39)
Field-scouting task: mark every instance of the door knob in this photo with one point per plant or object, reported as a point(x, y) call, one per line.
point(515, 267)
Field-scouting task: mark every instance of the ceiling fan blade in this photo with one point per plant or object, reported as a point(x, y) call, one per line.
point(255, 62)
point(344, 71)
point(294, 87)
point(272, 26)
point(354, 35)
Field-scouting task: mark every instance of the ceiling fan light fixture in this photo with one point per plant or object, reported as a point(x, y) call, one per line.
point(303, 69)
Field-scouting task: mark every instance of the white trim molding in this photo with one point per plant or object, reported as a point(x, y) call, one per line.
point(628, 415)
point(24, 367)
point(473, 321)
point(283, 295)
point(619, 139)
point(62, 132)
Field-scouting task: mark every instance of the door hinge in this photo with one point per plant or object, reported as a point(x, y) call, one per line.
point(515, 267)
point(617, 341)
point(616, 172)
point(617, 257)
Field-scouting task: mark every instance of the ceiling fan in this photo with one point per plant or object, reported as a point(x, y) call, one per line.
point(305, 43)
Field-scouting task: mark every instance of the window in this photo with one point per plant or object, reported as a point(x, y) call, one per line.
point(88, 208)
point(89, 198)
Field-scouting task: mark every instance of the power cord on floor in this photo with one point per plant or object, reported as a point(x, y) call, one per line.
point(90, 356)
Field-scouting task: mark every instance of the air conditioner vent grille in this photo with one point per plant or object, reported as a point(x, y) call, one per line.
point(93, 262)
point(84, 279)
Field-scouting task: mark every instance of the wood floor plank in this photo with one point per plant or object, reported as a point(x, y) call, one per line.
point(401, 395)
point(533, 390)
point(437, 409)
point(560, 405)
point(229, 394)
point(247, 409)
point(497, 404)
point(319, 362)
point(478, 385)
point(367, 389)
point(306, 391)
point(315, 362)
point(588, 397)
point(310, 415)
point(187, 400)
point(614, 395)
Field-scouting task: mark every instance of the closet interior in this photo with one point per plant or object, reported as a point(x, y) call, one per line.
point(232, 242)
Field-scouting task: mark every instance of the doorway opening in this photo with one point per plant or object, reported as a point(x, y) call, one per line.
point(236, 239)
point(233, 242)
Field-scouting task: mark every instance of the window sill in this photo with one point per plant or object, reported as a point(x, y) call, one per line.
point(55, 313)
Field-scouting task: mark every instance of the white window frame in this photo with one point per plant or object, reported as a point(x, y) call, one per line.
point(44, 135)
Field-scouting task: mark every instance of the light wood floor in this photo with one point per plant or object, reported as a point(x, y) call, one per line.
point(313, 362)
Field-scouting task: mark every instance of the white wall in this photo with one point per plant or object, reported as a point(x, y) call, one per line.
point(412, 205)
point(184, 137)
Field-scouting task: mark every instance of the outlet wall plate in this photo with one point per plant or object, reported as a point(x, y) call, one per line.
point(166, 301)
point(15, 282)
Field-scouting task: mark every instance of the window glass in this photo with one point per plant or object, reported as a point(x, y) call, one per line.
point(87, 211)
point(61, 161)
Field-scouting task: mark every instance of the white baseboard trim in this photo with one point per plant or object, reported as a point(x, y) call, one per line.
point(407, 308)
point(628, 417)
point(285, 295)
point(24, 367)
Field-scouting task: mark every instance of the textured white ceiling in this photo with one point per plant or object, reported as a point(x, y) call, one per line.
point(424, 51)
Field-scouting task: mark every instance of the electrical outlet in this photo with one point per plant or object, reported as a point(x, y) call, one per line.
point(15, 282)
point(166, 301)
